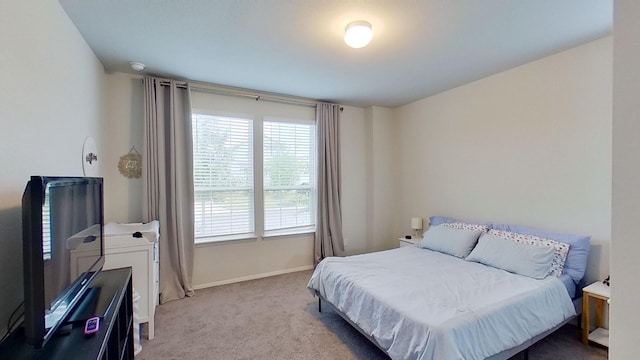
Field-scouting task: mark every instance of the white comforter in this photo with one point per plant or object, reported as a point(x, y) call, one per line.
point(421, 304)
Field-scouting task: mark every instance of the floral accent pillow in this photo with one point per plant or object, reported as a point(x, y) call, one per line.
point(561, 250)
point(465, 226)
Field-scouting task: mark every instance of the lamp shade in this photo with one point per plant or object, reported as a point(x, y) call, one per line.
point(416, 223)
point(358, 34)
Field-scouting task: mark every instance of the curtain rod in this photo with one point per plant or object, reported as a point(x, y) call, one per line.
point(255, 96)
point(225, 90)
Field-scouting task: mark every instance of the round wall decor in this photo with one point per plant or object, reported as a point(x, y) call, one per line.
point(89, 157)
point(130, 165)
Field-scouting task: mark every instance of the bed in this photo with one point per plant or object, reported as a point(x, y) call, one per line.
point(426, 302)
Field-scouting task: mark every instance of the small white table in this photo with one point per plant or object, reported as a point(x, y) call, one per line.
point(601, 294)
point(408, 242)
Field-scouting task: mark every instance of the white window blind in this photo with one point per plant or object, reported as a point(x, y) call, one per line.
point(223, 176)
point(289, 153)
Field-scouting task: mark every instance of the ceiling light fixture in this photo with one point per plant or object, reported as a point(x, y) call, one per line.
point(358, 34)
point(137, 66)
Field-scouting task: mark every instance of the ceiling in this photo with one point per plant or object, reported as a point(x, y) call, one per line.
point(295, 47)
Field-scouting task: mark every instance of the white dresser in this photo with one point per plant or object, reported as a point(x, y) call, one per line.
point(122, 249)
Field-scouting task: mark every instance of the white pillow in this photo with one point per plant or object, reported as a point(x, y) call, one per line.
point(561, 250)
point(449, 240)
point(529, 260)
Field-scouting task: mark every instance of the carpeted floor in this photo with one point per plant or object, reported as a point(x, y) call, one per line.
point(277, 318)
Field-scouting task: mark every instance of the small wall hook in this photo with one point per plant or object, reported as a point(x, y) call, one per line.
point(91, 157)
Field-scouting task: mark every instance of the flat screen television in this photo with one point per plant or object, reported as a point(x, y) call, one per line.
point(61, 216)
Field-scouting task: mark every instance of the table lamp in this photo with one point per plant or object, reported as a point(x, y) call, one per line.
point(416, 226)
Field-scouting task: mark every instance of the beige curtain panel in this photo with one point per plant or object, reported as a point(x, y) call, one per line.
point(167, 179)
point(328, 237)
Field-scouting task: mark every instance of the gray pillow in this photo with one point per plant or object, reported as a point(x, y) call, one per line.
point(448, 240)
point(529, 260)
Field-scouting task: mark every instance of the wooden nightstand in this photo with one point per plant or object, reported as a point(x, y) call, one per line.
point(600, 293)
point(408, 242)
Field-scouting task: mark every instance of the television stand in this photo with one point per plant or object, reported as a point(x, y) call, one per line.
point(113, 341)
point(94, 303)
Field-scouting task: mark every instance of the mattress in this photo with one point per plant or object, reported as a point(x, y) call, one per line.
point(420, 304)
point(568, 283)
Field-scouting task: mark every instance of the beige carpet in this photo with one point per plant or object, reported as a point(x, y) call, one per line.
point(277, 318)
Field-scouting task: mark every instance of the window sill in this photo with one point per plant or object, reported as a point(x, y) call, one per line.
point(273, 234)
point(289, 232)
point(225, 239)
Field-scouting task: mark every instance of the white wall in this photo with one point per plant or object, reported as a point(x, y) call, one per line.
point(367, 180)
point(625, 242)
point(51, 99)
point(353, 163)
point(530, 146)
point(124, 130)
point(380, 179)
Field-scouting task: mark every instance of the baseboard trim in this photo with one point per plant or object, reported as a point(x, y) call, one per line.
point(252, 277)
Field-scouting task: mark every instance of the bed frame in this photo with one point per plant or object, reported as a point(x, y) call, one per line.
point(504, 355)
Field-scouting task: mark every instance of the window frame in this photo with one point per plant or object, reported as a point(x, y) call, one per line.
point(252, 232)
point(312, 187)
point(259, 231)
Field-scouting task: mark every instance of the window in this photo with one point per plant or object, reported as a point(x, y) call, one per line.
point(223, 176)
point(254, 167)
point(289, 175)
